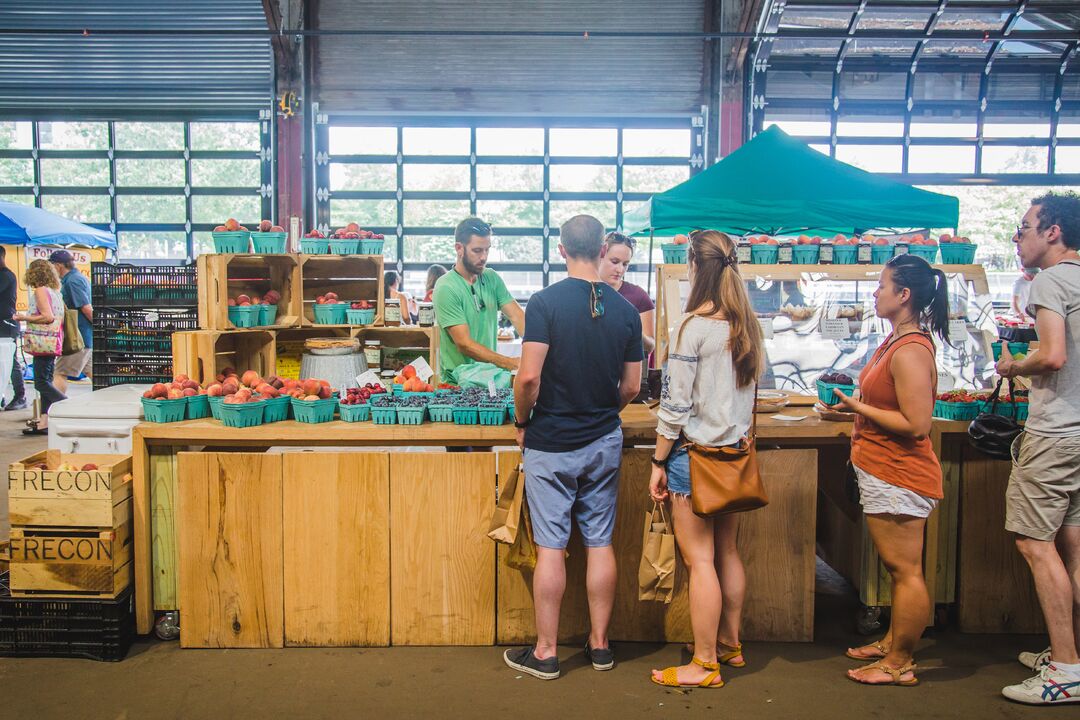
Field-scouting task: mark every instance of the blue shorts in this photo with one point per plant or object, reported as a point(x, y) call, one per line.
point(582, 483)
point(678, 471)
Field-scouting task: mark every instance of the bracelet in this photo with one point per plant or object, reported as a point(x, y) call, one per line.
point(659, 463)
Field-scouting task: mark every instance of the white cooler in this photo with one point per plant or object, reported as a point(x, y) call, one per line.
point(96, 422)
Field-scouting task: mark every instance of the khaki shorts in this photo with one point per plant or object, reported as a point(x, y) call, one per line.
point(1044, 487)
point(76, 363)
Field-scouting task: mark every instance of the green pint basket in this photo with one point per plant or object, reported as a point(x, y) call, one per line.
point(268, 243)
point(267, 314)
point(371, 247)
point(198, 407)
point(354, 413)
point(345, 247)
point(764, 254)
point(314, 246)
point(314, 412)
point(331, 313)
point(441, 413)
point(386, 415)
point(958, 253)
point(410, 415)
point(215, 406)
point(926, 252)
point(360, 317)
point(237, 241)
point(845, 254)
point(674, 254)
point(805, 254)
point(466, 415)
point(277, 409)
point(164, 411)
point(955, 410)
point(242, 415)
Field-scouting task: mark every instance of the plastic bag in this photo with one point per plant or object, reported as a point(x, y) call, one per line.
point(480, 374)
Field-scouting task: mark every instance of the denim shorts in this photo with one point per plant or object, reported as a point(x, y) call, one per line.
point(678, 471)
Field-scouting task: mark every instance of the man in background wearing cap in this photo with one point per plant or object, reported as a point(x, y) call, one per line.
point(75, 289)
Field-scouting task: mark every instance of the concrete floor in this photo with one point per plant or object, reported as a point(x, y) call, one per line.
point(961, 675)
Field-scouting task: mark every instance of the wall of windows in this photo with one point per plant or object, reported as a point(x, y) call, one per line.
point(415, 181)
point(160, 186)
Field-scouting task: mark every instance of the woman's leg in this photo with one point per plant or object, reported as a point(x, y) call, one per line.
point(694, 536)
point(899, 542)
point(732, 575)
point(43, 375)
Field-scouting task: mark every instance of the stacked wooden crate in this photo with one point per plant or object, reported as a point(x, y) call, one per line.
point(71, 529)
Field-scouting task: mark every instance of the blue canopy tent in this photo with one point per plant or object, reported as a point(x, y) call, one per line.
point(29, 225)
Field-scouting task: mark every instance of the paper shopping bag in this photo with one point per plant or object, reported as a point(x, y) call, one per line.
point(522, 555)
point(507, 516)
point(656, 573)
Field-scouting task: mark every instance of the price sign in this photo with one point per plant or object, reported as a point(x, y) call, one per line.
point(957, 330)
point(835, 328)
point(766, 327)
point(367, 377)
point(491, 389)
point(423, 370)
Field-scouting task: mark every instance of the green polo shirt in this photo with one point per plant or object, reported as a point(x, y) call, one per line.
point(456, 304)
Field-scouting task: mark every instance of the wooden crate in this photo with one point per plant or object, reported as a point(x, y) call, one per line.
point(412, 336)
point(72, 562)
point(68, 498)
point(203, 354)
point(352, 277)
point(225, 276)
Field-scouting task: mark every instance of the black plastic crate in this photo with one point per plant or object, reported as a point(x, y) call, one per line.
point(143, 286)
point(125, 368)
point(141, 331)
point(61, 627)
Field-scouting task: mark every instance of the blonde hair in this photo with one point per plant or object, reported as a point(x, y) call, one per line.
point(719, 288)
point(41, 273)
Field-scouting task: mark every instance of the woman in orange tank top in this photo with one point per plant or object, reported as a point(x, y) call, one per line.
point(899, 475)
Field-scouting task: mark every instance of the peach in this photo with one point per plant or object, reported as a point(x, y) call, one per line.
point(229, 388)
point(311, 398)
point(175, 394)
point(277, 228)
point(352, 227)
point(262, 387)
point(233, 400)
point(159, 390)
point(232, 225)
point(331, 297)
point(265, 226)
point(220, 228)
point(325, 392)
point(230, 370)
point(270, 391)
point(190, 384)
point(231, 302)
point(310, 386)
point(250, 378)
point(189, 392)
point(149, 395)
point(242, 299)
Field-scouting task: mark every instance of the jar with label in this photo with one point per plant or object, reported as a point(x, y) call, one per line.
point(373, 354)
point(426, 314)
point(386, 377)
point(743, 251)
point(392, 312)
point(784, 255)
point(826, 256)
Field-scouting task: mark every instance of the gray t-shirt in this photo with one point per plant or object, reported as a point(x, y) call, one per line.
point(1055, 397)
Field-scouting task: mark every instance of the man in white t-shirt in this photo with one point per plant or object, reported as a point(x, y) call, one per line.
point(1021, 292)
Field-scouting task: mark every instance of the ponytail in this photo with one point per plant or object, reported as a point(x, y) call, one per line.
point(929, 291)
point(936, 315)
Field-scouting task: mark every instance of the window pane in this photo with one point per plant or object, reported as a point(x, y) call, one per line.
point(389, 250)
point(652, 179)
point(149, 136)
point(153, 245)
point(155, 209)
point(563, 210)
point(363, 140)
point(368, 213)
point(941, 159)
point(430, 248)
point(582, 141)
point(435, 141)
point(225, 173)
point(23, 199)
point(510, 178)
point(859, 128)
point(150, 173)
point(16, 171)
point(516, 249)
point(801, 127)
point(203, 242)
point(74, 173)
point(943, 129)
point(16, 135)
point(656, 143)
point(1014, 159)
point(363, 177)
point(875, 158)
point(522, 284)
point(73, 135)
point(217, 209)
point(436, 177)
point(225, 136)
point(511, 213)
point(435, 213)
point(583, 178)
point(1067, 159)
point(509, 141)
point(1007, 130)
point(84, 208)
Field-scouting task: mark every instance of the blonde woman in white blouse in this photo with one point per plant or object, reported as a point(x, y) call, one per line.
point(708, 399)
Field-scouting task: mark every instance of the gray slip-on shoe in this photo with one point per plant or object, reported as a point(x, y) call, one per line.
point(601, 658)
point(523, 660)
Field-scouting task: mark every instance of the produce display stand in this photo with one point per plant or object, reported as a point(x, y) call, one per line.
point(225, 276)
point(352, 277)
point(202, 354)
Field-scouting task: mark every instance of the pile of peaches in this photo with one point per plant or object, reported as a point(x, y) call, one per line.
point(181, 387)
point(250, 387)
point(272, 297)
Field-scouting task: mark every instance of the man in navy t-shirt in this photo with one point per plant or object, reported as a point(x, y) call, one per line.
point(580, 366)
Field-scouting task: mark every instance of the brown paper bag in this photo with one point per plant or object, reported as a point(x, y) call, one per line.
point(522, 555)
point(505, 520)
point(656, 573)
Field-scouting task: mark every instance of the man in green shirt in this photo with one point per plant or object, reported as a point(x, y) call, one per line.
point(467, 304)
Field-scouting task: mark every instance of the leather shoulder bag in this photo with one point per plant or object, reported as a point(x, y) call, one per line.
point(993, 434)
point(726, 479)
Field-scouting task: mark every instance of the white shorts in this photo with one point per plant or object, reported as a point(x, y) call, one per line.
point(881, 498)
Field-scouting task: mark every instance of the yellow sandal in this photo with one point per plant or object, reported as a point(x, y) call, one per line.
point(894, 673)
point(727, 657)
point(669, 677)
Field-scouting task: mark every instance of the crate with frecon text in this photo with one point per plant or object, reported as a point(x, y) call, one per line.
point(50, 489)
point(72, 562)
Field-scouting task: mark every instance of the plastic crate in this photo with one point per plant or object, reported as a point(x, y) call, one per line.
point(241, 415)
point(345, 247)
point(314, 246)
point(143, 286)
point(371, 247)
point(411, 415)
point(244, 316)
point(441, 413)
point(956, 410)
point(845, 254)
point(314, 411)
point(386, 415)
point(826, 395)
point(198, 407)
point(164, 411)
point(233, 241)
point(331, 313)
point(958, 253)
point(466, 415)
point(926, 252)
point(269, 243)
point(674, 254)
point(492, 415)
point(360, 317)
point(881, 254)
point(354, 413)
point(215, 406)
point(140, 331)
point(1015, 348)
point(763, 254)
point(276, 409)
point(59, 627)
point(267, 314)
point(806, 254)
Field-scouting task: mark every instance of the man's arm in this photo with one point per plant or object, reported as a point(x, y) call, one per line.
point(527, 385)
point(1049, 357)
point(474, 350)
point(88, 312)
point(629, 384)
point(516, 315)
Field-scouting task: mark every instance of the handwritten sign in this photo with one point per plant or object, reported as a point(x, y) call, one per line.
point(766, 327)
point(367, 377)
point(957, 330)
point(423, 370)
point(835, 328)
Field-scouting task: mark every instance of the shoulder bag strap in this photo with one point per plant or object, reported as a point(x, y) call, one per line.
point(753, 415)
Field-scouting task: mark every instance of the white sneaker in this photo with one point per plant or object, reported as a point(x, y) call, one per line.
point(1050, 687)
point(1034, 661)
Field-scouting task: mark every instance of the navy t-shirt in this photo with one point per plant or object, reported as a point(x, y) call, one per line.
point(579, 384)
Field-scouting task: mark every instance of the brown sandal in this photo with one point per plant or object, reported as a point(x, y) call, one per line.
point(879, 646)
point(894, 673)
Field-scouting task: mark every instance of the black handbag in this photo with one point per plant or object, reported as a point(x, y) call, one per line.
point(993, 434)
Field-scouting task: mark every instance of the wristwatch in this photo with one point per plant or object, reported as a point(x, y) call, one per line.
point(521, 425)
point(658, 463)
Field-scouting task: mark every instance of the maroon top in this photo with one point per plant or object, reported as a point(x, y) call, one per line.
point(637, 297)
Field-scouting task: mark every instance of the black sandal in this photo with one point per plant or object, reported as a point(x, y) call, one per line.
point(35, 431)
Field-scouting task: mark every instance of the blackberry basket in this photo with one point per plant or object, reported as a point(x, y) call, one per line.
point(384, 415)
point(490, 415)
point(466, 415)
point(441, 412)
point(411, 415)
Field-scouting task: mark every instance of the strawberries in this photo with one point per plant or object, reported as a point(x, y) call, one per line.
point(958, 396)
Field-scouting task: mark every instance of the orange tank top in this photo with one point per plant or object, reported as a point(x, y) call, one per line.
point(904, 462)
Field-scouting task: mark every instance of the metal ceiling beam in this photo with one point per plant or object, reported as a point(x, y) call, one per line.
point(909, 84)
point(283, 48)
